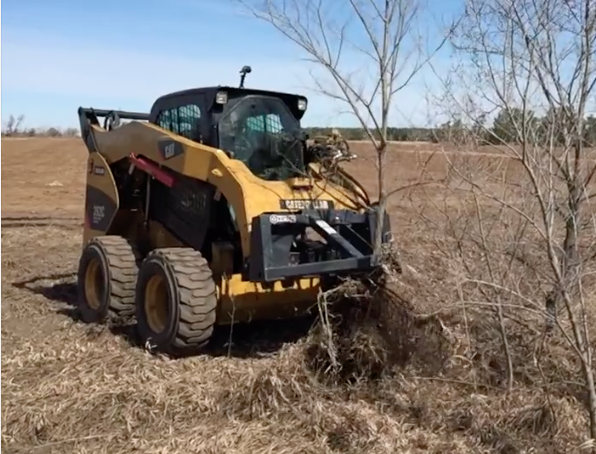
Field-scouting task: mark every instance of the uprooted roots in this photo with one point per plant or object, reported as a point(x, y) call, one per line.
point(366, 330)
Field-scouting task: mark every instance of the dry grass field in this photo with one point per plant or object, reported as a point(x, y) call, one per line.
point(74, 388)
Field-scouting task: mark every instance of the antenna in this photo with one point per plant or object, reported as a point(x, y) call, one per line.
point(243, 72)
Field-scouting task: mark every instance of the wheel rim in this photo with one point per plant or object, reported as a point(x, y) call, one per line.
point(94, 284)
point(156, 303)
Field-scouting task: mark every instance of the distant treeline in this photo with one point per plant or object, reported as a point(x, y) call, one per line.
point(401, 134)
point(397, 134)
point(507, 127)
point(13, 128)
point(42, 132)
point(513, 126)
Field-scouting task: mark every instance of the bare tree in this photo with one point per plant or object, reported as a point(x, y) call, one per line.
point(13, 125)
point(368, 51)
point(532, 65)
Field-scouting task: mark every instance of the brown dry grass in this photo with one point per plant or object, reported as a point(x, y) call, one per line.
point(43, 175)
point(69, 387)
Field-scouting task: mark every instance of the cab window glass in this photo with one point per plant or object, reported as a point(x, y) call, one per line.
point(189, 120)
point(183, 120)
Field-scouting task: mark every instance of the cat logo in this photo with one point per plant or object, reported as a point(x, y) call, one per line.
point(169, 150)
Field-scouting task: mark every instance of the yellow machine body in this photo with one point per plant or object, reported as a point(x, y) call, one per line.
point(247, 194)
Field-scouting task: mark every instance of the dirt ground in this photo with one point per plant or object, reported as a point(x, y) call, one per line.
point(74, 388)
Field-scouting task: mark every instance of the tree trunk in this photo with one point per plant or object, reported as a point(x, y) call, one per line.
point(590, 387)
point(381, 207)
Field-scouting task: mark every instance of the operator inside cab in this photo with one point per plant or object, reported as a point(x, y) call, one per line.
point(262, 132)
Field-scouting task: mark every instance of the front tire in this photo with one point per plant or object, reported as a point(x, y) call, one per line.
point(107, 276)
point(176, 300)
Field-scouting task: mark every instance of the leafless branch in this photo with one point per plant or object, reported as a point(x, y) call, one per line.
point(535, 62)
point(333, 34)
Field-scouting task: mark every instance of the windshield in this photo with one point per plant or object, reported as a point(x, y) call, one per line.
point(262, 132)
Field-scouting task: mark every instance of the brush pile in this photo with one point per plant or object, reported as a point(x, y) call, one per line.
point(366, 330)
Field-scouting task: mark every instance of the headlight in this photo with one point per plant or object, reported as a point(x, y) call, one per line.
point(221, 97)
point(302, 104)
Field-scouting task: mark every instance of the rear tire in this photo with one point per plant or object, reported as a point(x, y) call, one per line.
point(107, 276)
point(176, 300)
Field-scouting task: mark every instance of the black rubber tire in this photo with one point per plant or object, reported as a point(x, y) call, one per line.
point(191, 300)
point(118, 264)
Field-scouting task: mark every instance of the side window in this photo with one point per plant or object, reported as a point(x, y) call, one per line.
point(175, 128)
point(168, 119)
point(270, 123)
point(256, 123)
point(189, 117)
point(274, 123)
point(183, 120)
point(163, 119)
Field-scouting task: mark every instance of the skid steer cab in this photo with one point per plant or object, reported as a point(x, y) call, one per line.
point(213, 209)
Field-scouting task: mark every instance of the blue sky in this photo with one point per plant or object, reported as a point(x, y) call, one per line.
point(58, 55)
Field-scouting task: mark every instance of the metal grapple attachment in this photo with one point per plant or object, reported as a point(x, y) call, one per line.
point(312, 243)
